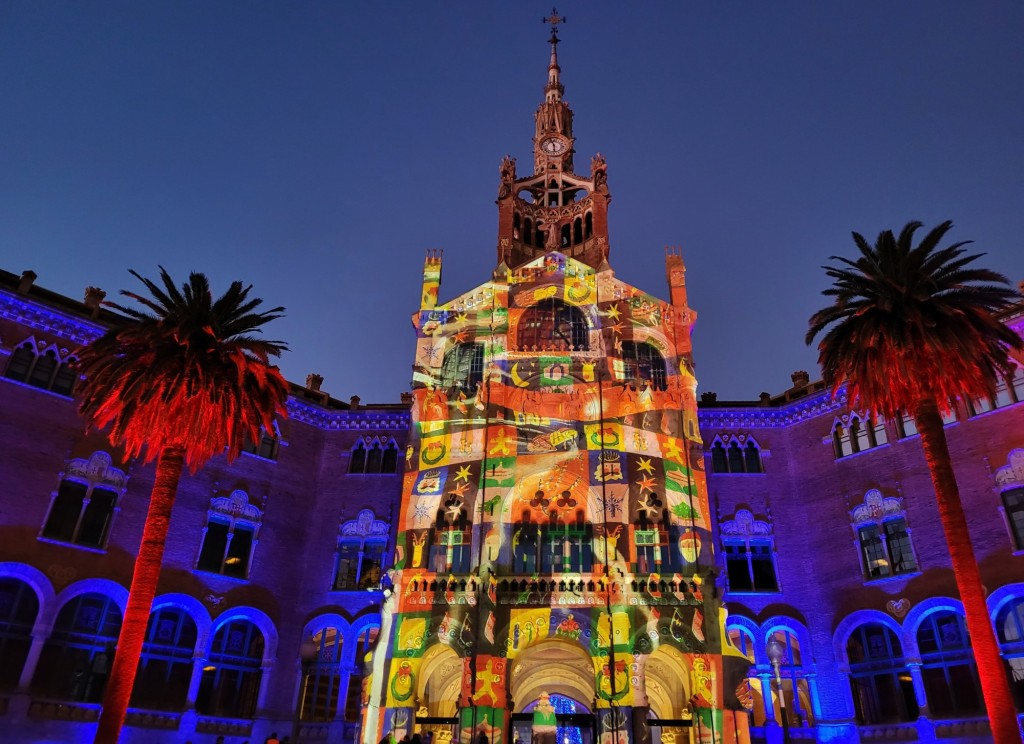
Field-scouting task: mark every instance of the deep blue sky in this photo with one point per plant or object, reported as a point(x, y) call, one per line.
point(316, 149)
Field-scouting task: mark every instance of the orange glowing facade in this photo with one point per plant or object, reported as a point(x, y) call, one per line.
point(554, 536)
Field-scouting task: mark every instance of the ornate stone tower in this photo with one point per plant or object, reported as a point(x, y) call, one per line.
point(554, 568)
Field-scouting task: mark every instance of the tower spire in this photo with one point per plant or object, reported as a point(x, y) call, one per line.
point(553, 90)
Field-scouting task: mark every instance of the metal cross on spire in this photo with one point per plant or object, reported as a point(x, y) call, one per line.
point(554, 19)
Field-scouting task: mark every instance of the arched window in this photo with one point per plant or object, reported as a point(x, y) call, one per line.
point(230, 536)
point(323, 677)
point(879, 678)
point(84, 504)
point(463, 367)
point(883, 536)
point(551, 325)
point(373, 456)
point(1010, 631)
point(793, 672)
point(46, 370)
point(751, 458)
point(76, 659)
point(265, 448)
point(525, 539)
point(528, 231)
point(230, 684)
point(19, 607)
point(357, 463)
point(450, 549)
point(748, 544)
point(21, 362)
point(862, 432)
point(365, 643)
point(741, 639)
point(360, 558)
point(719, 462)
point(947, 666)
point(577, 231)
point(643, 364)
point(588, 226)
point(1010, 481)
point(165, 668)
point(735, 457)
point(732, 454)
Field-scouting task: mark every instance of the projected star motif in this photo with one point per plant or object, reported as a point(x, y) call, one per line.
point(647, 484)
point(462, 473)
point(645, 466)
point(460, 490)
point(613, 312)
point(422, 511)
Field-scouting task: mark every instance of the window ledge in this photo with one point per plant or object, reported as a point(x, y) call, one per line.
point(40, 389)
point(876, 448)
point(369, 590)
point(1000, 409)
point(76, 546)
point(755, 592)
point(254, 456)
point(214, 575)
point(888, 579)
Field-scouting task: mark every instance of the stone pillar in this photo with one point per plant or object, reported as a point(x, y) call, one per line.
point(28, 671)
point(925, 726)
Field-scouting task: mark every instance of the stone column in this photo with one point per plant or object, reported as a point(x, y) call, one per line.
point(28, 671)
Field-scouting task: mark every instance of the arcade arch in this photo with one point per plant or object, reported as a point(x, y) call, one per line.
point(554, 666)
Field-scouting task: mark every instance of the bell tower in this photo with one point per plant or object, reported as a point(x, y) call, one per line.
point(555, 573)
point(554, 209)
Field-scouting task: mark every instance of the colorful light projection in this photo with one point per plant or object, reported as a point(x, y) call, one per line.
point(554, 493)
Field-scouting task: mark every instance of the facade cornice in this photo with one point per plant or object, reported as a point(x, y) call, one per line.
point(756, 417)
point(39, 317)
point(359, 420)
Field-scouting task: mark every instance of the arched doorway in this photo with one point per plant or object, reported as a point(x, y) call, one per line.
point(564, 671)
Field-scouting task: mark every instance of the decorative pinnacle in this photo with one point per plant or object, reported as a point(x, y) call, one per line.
point(553, 91)
point(554, 19)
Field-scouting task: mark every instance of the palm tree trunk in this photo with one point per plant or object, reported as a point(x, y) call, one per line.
point(140, 597)
point(994, 687)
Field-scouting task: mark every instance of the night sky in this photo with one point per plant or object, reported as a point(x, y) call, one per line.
point(317, 149)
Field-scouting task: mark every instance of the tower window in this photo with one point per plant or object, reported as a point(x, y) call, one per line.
point(463, 366)
point(551, 325)
point(750, 566)
point(373, 456)
point(882, 534)
point(643, 364)
point(863, 432)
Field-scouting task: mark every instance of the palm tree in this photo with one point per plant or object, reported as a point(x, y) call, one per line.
point(913, 329)
point(182, 380)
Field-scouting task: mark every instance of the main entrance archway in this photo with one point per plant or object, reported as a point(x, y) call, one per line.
point(565, 672)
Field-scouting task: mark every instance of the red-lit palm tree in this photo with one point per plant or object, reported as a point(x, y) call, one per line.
point(180, 381)
point(913, 328)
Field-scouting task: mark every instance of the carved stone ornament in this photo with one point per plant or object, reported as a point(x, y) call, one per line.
point(898, 607)
point(1011, 475)
point(236, 506)
point(97, 471)
point(744, 525)
point(364, 525)
point(876, 507)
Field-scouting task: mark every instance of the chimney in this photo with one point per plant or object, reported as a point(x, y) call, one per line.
point(709, 397)
point(800, 379)
point(93, 297)
point(353, 403)
point(27, 277)
point(766, 399)
point(406, 399)
point(314, 381)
